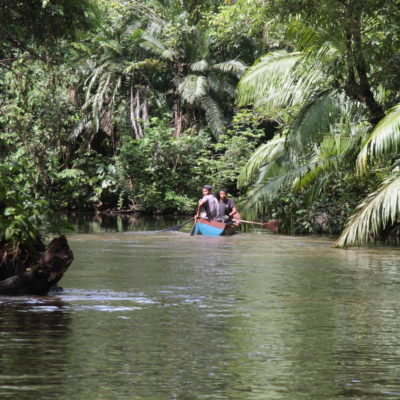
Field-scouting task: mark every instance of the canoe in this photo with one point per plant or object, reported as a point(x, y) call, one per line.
point(212, 228)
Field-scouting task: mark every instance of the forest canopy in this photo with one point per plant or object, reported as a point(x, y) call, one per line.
point(293, 106)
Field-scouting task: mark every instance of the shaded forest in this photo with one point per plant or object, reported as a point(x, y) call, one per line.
point(128, 105)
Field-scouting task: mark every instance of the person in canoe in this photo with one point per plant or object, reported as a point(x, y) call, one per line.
point(227, 207)
point(209, 203)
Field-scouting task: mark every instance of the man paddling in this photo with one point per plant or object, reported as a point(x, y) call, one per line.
point(210, 205)
point(227, 207)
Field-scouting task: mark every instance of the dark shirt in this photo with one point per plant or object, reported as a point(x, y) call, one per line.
point(226, 206)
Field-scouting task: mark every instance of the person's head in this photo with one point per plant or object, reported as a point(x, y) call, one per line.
point(207, 190)
point(222, 194)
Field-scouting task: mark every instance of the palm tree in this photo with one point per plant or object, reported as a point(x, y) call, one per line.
point(124, 68)
point(201, 84)
point(118, 81)
point(381, 209)
point(319, 127)
point(323, 125)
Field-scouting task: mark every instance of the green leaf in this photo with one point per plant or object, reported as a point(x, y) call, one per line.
point(9, 211)
point(70, 173)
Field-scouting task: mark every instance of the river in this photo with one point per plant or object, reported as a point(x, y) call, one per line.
point(149, 315)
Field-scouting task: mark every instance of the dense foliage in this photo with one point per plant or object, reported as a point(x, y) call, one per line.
point(134, 105)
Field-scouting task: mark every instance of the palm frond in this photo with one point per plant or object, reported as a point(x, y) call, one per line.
point(233, 67)
point(117, 86)
point(318, 186)
point(154, 45)
point(266, 153)
point(155, 27)
point(93, 78)
point(82, 48)
point(214, 115)
point(315, 171)
point(328, 159)
point(82, 126)
point(336, 145)
point(263, 192)
point(113, 45)
point(220, 86)
point(378, 210)
point(98, 99)
point(199, 66)
point(278, 81)
point(193, 88)
point(384, 139)
point(320, 116)
point(285, 171)
point(318, 42)
point(270, 71)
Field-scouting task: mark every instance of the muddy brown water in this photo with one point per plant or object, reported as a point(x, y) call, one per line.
point(149, 315)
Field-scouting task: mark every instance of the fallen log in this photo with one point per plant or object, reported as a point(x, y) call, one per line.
point(40, 276)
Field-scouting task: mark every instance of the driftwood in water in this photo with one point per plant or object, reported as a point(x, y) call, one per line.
point(40, 276)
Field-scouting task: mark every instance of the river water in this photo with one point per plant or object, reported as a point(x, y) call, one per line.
point(149, 315)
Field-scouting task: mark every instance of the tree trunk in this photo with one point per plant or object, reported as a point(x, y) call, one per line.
point(145, 106)
point(178, 118)
point(39, 278)
point(358, 86)
point(365, 88)
point(134, 117)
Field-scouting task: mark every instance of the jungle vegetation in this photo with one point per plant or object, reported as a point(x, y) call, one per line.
point(293, 106)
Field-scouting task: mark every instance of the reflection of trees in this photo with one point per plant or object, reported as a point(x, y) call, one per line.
point(318, 325)
point(171, 349)
point(234, 318)
point(33, 344)
point(108, 222)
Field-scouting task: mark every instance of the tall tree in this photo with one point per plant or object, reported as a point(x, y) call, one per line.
point(201, 83)
point(29, 30)
point(33, 25)
point(326, 100)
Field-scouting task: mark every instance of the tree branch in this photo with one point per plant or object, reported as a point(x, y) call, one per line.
point(22, 46)
point(361, 68)
point(358, 85)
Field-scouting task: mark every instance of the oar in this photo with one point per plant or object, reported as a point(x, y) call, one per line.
point(272, 225)
point(177, 227)
point(195, 221)
point(194, 228)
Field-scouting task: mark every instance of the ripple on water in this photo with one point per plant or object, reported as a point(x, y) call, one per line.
point(183, 317)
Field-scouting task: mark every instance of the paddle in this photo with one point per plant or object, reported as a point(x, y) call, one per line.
point(272, 225)
point(194, 228)
point(177, 227)
point(195, 221)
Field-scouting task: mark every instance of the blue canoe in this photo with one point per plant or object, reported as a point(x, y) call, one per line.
point(212, 228)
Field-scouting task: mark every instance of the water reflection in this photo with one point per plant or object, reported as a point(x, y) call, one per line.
point(79, 222)
point(166, 315)
point(33, 330)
